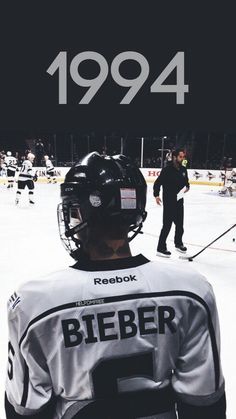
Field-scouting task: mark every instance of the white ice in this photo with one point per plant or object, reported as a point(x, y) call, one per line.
point(30, 247)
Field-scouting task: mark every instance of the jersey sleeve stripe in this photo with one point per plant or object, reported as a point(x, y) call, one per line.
point(26, 386)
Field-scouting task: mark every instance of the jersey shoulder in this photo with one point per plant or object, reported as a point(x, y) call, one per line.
point(37, 296)
point(27, 163)
point(174, 276)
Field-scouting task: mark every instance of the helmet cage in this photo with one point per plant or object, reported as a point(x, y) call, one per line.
point(68, 228)
point(71, 222)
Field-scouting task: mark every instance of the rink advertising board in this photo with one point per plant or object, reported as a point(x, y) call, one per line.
point(196, 177)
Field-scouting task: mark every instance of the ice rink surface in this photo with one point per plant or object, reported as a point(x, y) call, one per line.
point(30, 247)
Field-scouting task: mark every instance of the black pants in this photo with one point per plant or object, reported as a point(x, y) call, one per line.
point(23, 183)
point(173, 212)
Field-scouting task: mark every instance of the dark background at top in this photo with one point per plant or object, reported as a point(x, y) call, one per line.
point(33, 33)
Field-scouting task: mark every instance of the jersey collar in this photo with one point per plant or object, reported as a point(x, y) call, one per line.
point(111, 264)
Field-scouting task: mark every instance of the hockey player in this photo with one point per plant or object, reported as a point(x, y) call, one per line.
point(11, 166)
point(114, 336)
point(229, 183)
point(3, 166)
point(232, 186)
point(26, 177)
point(50, 170)
point(2, 156)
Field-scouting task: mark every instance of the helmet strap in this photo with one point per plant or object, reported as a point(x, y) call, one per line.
point(136, 230)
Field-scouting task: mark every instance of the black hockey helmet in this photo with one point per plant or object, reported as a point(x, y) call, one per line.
point(99, 188)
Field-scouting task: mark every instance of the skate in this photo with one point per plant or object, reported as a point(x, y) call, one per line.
point(163, 253)
point(181, 248)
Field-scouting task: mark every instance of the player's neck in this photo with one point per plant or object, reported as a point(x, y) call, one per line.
point(110, 249)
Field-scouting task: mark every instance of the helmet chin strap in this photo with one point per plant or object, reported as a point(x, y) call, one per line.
point(76, 229)
point(79, 252)
point(136, 230)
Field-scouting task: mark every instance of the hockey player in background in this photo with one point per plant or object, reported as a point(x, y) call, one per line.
point(3, 169)
point(115, 336)
point(229, 183)
point(26, 178)
point(50, 170)
point(11, 167)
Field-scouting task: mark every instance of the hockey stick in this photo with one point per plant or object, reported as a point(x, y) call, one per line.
point(190, 258)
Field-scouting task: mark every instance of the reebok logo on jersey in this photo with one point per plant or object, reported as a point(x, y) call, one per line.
point(114, 280)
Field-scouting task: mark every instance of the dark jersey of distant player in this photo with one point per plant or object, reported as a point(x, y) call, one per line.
point(122, 338)
point(172, 181)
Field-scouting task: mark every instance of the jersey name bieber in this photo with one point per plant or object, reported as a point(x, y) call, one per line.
point(121, 324)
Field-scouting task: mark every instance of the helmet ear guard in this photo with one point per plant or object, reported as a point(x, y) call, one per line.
point(98, 189)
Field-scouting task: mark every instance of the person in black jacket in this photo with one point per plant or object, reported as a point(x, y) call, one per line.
point(173, 179)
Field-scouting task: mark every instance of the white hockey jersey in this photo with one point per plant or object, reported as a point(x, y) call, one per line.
point(49, 166)
point(26, 172)
point(233, 175)
point(11, 163)
point(101, 334)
